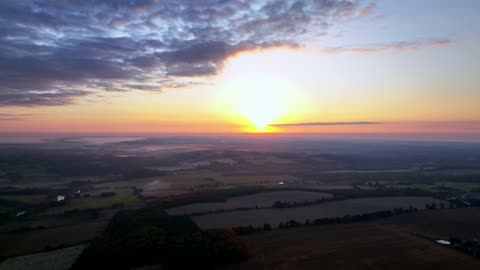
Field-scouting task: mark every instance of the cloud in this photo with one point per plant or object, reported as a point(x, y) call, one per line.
point(30, 98)
point(13, 116)
point(367, 10)
point(393, 46)
point(52, 52)
point(326, 124)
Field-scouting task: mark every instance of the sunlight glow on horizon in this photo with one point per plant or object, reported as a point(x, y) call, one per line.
point(255, 91)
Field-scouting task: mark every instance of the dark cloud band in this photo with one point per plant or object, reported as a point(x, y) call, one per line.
point(52, 52)
point(326, 124)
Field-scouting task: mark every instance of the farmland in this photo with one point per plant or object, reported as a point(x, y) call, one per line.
point(20, 243)
point(241, 183)
point(51, 260)
point(328, 209)
point(95, 201)
point(345, 247)
point(264, 199)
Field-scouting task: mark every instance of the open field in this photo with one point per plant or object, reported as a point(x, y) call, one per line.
point(234, 175)
point(240, 177)
point(61, 259)
point(39, 222)
point(327, 209)
point(264, 199)
point(348, 247)
point(20, 243)
point(123, 196)
point(182, 182)
point(29, 199)
point(441, 223)
point(264, 160)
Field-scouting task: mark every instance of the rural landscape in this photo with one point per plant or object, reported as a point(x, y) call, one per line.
point(59, 195)
point(239, 134)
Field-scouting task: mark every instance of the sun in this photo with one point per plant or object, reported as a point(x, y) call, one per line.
point(255, 93)
point(262, 100)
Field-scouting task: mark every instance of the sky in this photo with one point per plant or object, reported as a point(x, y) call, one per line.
point(284, 66)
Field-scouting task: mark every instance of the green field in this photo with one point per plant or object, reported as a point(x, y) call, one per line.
point(124, 196)
point(20, 243)
point(61, 259)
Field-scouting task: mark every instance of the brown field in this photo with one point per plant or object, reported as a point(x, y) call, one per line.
point(20, 243)
point(441, 223)
point(30, 199)
point(372, 245)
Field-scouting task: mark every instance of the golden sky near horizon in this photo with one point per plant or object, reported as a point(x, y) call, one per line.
point(368, 68)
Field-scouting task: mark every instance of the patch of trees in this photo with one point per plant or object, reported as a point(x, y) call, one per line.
point(108, 194)
point(471, 247)
point(148, 236)
point(279, 204)
point(10, 209)
point(244, 230)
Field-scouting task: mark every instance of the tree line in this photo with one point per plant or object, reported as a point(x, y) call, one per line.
point(244, 230)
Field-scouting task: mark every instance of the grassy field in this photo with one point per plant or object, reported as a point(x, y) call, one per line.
point(20, 243)
point(349, 246)
point(124, 196)
point(264, 160)
point(187, 180)
point(61, 259)
point(327, 209)
point(264, 199)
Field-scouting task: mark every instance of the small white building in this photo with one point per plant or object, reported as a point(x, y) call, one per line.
point(60, 198)
point(443, 242)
